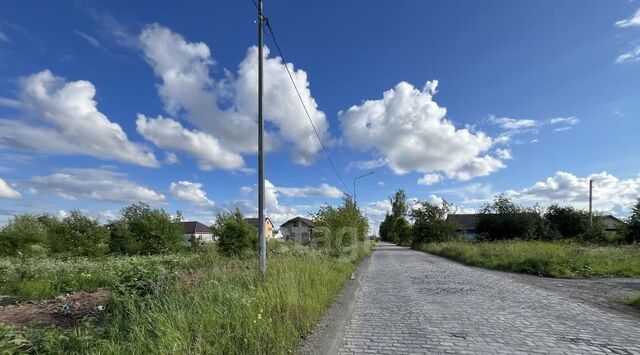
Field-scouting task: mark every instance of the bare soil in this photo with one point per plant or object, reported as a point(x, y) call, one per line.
point(65, 310)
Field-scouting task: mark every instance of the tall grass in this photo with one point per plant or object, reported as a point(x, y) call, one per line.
point(633, 301)
point(553, 259)
point(221, 306)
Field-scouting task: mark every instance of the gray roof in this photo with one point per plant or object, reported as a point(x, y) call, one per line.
point(464, 221)
point(194, 227)
point(306, 221)
point(612, 223)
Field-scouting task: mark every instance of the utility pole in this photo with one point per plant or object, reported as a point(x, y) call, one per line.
point(590, 203)
point(355, 200)
point(261, 238)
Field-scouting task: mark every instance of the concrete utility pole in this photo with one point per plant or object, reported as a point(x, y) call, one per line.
point(590, 203)
point(263, 247)
point(355, 200)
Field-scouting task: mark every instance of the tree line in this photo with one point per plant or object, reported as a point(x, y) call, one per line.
point(500, 219)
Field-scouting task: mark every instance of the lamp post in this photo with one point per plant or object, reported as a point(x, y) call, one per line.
point(355, 200)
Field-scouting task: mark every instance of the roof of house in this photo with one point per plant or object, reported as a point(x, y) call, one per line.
point(463, 221)
point(611, 222)
point(254, 221)
point(306, 221)
point(194, 227)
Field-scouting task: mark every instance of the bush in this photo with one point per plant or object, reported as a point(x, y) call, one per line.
point(339, 228)
point(430, 223)
point(78, 235)
point(632, 233)
point(502, 219)
point(385, 227)
point(143, 230)
point(401, 232)
point(235, 235)
point(23, 235)
point(568, 221)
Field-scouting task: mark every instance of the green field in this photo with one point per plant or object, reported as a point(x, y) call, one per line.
point(223, 306)
point(552, 259)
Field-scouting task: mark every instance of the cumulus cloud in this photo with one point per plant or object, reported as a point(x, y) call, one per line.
point(73, 124)
point(634, 20)
point(409, 130)
point(324, 190)
point(170, 134)
point(191, 192)
point(610, 195)
point(429, 179)
point(6, 191)
point(226, 109)
point(95, 184)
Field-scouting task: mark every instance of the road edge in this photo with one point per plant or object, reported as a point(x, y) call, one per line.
point(327, 336)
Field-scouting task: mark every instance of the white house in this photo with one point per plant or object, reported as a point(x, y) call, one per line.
point(197, 231)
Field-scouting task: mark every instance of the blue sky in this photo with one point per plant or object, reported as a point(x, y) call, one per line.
point(101, 105)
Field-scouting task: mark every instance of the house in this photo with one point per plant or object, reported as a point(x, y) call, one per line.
point(268, 226)
point(465, 224)
point(298, 229)
point(197, 231)
point(612, 225)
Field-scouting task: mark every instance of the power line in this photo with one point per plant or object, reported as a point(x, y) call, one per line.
point(315, 130)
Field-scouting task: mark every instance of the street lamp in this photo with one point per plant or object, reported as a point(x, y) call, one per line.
point(355, 201)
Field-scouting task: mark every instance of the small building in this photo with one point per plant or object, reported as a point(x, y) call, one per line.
point(268, 226)
point(612, 225)
point(298, 229)
point(465, 224)
point(198, 232)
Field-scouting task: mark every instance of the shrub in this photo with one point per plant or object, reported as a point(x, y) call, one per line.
point(385, 227)
point(401, 232)
point(430, 223)
point(568, 221)
point(235, 235)
point(339, 228)
point(502, 219)
point(143, 230)
point(632, 233)
point(79, 235)
point(23, 235)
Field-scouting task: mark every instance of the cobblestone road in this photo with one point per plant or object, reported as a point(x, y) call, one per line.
point(412, 302)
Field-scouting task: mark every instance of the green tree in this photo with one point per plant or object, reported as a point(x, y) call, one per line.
point(338, 228)
point(430, 223)
point(78, 234)
point(23, 235)
point(235, 236)
point(401, 231)
point(632, 233)
point(568, 221)
point(503, 219)
point(143, 230)
point(385, 227)
point(399, 205)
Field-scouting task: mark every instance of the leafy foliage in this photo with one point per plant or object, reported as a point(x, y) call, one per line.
point(502, 219)
point(339, 228)
point(235, 235)
point(567, 220)
point(385, 228)
point(401, 232)
point(23, 235)
point(431, 224)
point(79, 235)
point(632, 234)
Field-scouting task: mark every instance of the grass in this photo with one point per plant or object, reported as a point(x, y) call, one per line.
point(223, 307)
point(552, 259)
point(633, 301)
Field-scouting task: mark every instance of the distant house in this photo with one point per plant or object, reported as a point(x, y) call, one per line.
point(465, 224)
point(268, 226)
point(298, 229)
point(612, 225)
point(197, 231)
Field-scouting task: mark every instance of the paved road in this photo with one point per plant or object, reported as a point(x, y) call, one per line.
point(413, 302)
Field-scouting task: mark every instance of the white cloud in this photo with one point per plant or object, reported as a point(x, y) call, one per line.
point(632, 55)
point(171, 158)
point(571, 121)
point(631, 21)
point(410, 131)
point(95, 184)
point(170, 134)
point(513, 124)
point(6, 191)
point(190, 192)
point(92, 40)
point(74, 124)
point(504, 153)
point(611, 194)
point(429, 179)
point(324, 190)
point(367, 164)
point(187, 88)
point(4, 38)
point(561, 129)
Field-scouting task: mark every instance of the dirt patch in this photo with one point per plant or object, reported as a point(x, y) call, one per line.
point(65, 310)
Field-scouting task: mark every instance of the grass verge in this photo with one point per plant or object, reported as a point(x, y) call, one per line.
point(224, 307)
point(552, 259)
point(633, 301)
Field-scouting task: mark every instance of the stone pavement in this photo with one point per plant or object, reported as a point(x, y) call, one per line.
point(413, 302)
